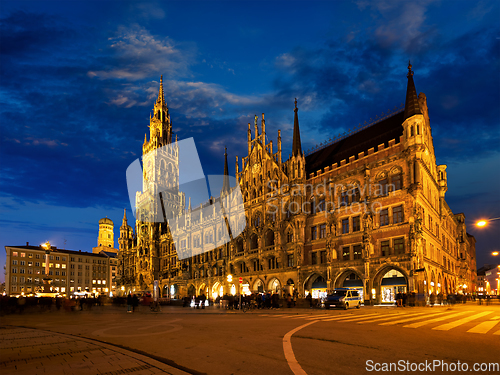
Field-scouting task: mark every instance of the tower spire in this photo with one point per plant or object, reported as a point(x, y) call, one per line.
point(161, 95)
point(124, 221)
point(411, 105)
point(225, 183)
point(296, 145)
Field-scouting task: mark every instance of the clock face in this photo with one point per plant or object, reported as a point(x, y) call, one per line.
point(256, 168)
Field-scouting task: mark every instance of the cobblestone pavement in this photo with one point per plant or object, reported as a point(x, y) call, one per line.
point(34, 351)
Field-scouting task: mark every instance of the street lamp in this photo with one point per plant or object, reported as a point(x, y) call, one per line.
point(484, 222)
point(494, 253)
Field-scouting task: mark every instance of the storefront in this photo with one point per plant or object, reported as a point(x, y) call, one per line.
point(393, 282)
point(318, 288)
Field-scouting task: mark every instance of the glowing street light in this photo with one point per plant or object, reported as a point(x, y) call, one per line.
point(495, 253)
point(484, 222)
point(229, 278)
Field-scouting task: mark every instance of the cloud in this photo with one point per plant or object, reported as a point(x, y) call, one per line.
point(135, 54)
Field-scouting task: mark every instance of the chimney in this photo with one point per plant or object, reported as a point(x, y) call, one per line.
point(27, 243)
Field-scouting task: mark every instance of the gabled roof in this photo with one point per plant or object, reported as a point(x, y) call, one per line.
point(381, 132)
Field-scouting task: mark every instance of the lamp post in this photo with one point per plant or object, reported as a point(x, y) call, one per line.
point(47, 280)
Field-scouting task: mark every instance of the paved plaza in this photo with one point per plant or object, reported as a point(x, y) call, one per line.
point(178, 340)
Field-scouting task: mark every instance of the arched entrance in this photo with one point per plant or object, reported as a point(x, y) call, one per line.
point(191, 290)
point(203, 289)
point(217, 290)
point(258, 286)
point(164, 291)
point(350, 279)
point(318, 287)
point(388, 282)
point(274, 286)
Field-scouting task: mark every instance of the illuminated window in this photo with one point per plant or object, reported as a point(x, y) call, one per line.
point(23, 255)
point(14, 253)
point(399, 246)
point(63, 266)
point(51, 265)
point(346, 253)
point(357, 251)
point(58, 265)
point(385, 248)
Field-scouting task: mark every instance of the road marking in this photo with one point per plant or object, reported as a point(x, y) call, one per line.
point(420, 324)
point(296, 316)
point(287, 348)
point(387, 317)
point(496, 317)
point(484, 327)
point(409, 319)
point(351, 317)
point(497, 332)
point(456, 323)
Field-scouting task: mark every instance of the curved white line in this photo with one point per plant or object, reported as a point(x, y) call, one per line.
point(287, 348)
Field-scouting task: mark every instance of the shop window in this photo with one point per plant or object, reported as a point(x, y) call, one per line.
point(345, 226)
point(356, 224)
point(346, 253)
point(399, 246)
point(385, 248)
point(384, 217)
point(397, 214)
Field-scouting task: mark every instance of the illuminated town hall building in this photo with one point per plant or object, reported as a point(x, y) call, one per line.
point(365, 210)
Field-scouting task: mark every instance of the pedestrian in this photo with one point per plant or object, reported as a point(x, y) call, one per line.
point(203, 298)
point(432, 299)
point(309, 299)
point(404, 298)
point(289, 300)
point(129, 303)
point(295, 296)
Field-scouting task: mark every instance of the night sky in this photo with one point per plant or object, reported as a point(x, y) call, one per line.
point(79, 79)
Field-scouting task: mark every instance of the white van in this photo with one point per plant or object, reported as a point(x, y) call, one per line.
point(343, 297)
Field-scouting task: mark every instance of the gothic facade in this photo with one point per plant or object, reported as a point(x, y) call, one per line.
point(366, 210)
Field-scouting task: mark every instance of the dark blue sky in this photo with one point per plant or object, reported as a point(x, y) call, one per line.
point(78, 81)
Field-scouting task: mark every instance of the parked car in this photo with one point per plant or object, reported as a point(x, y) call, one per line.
point(343, 297)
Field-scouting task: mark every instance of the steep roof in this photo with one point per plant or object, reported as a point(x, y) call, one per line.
point(380, 132)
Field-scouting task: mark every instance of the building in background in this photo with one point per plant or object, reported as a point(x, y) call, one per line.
point(488, 279)
point(364, 210)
